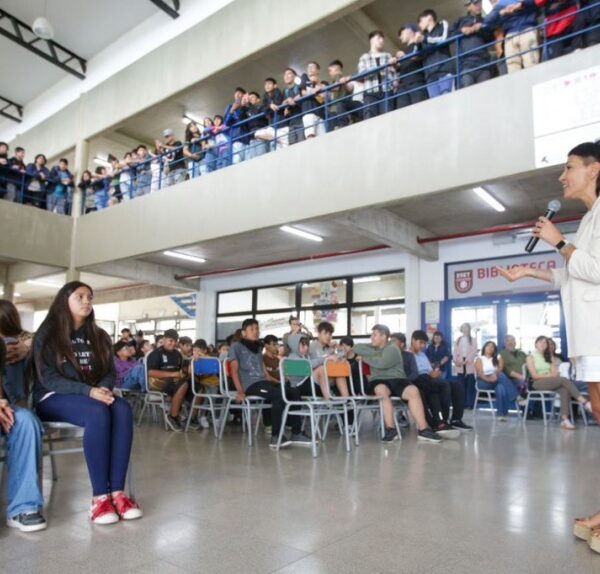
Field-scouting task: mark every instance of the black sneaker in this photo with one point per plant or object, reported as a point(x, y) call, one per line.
point(446, 431)
point(285, 441)
point(390, 435)
point(301, 439)
point(28, 522)
point(174, 424)
point(427, 435)
point(459, 425)
point(403, 421)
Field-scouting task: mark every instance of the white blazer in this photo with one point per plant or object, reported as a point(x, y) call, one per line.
point(579, 284)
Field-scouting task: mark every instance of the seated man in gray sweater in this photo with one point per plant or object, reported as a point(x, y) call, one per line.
point(388, 378)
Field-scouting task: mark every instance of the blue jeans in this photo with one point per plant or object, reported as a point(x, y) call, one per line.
point(134, 379)
point(56, 201)
point(255, 148)
point(24, 456)
point(506, 393)
point(209, 163)
point(107, 436)
point(468, 382)
point(441, 86)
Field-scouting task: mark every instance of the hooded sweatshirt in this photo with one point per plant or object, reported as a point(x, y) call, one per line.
point(386, 363)
point(294, 345)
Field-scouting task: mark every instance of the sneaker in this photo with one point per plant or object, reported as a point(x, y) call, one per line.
point(446, 431)
point(174, 424)
point(522, 401)
point(194, 424)
point(103, 511)
point(567, 425)
point(403, 421)
point(302, 439)
point(204, 423)
point(126, 508)
point(427, 435)
point(28, 522)
point(390, 435)
point(459, 425)
point(285, 441)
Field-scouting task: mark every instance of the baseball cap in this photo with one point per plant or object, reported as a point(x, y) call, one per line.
point(168, 132)
point(171, 334)
point(382, 329)
point(412, 27)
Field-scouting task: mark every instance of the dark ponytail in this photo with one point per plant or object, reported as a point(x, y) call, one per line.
point(589, 152)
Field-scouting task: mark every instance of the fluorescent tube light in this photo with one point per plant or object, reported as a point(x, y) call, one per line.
point(189, 117)
point(301, 233)
point(371, 279)
point(184, 256)
point(44, 283)
point(491, 201)
point(102, 161)
point(487, 6)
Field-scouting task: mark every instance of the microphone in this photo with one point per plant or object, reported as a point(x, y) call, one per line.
point(552, 210)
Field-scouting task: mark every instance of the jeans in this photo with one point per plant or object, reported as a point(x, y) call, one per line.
point(441, 86)
point(209, 163)
point(409, 95)
point(506, 392)
point(134, 379)
point(14, 382)
point(174, 176)
point(375, 105)
point(24, 456)
point(272, 394)
point(107, 437)
point(238, 152)
point(255, 148)
point(55, 202)
point(143, 183)
point(469, 78)
point(468, 383)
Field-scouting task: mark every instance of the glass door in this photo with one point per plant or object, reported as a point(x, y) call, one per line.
point(527, 321)
point(483, 320)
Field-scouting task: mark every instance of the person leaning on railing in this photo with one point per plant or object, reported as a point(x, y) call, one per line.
point(439, 65)
point(410, 84)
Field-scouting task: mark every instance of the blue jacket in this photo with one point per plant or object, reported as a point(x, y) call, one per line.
point(33, 172)
point(520, 21)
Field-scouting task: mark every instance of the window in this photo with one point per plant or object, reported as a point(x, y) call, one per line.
point(352, 304)
point(235, 302)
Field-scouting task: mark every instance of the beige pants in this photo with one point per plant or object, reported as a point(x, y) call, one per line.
point(514, 45)
point(565, 389)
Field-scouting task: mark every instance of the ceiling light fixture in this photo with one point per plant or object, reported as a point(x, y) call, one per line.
point(102, 161)
point(370, 279)
point(41, 26)
point(44, 283)
point(301, 233)
point(190, 117)
point(487, 6)
point(491, 201)
point(184, 256)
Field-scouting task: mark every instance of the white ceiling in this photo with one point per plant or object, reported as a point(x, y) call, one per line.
point(82, 26)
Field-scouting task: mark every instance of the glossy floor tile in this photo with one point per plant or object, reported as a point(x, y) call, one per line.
point(501, 499)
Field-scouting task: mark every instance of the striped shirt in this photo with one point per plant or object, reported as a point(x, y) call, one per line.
point(381, 80)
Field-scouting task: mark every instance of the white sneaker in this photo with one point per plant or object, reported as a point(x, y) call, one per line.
point(204, 423)
point(567, 425)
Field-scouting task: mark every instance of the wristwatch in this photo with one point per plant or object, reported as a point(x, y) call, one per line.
point(561, 245)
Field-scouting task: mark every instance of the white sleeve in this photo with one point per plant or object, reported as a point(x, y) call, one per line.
point(558, 278)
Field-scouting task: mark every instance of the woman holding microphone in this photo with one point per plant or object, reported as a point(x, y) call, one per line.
point(579, 283)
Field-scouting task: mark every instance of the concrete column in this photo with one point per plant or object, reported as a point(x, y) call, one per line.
point(412, 285)
point(8, 288)
point(81, 162)
point(206, 309)
point(73, 274)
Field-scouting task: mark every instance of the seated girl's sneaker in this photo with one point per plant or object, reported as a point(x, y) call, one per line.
point(28, 521)
point(126, 508)
point(103, 511)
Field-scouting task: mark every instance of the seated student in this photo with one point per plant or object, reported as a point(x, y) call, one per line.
point(320, 349)
point(271, 357)
point(543, 369)
point(450, 392)
point(185, 348)
point(347, 347)
point(127, 338)
point(439, 354)
point(489, 370)
point(250, 378)
point(14, 335)
point(207, 384)
point(74, 375)
point(165, 374)
point(223, 351)
point(130, 373)
point(23, 434)
point(388, 378)
point(299, 346)
point(513, 360)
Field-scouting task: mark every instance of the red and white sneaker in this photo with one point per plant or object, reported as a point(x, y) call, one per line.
point(126, 508)
point(103, 511)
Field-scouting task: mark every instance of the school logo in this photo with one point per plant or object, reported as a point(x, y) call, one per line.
point(463, 281)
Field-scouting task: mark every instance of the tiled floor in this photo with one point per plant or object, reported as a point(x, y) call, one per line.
point(498, 500)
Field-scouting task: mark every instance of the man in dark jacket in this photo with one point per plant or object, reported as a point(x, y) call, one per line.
point(438, 62)
point(411, 84)
point(234, 114)
point(475, 63)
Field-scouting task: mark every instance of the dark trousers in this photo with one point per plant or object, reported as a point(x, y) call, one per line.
point(374, 105)
point(563, 47)
point(469, 78)
point(107, 435)
point(271, 393)
point(296, 133)
point(409, 95)
point(468, 383)
point(436, 398)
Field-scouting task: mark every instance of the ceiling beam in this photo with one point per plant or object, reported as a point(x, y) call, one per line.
point(19, 272)
point(144, 272)
point(21, 33)
point(171, 8)
point(383, 226)
point(10, 110)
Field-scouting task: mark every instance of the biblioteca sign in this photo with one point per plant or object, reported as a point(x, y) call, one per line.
point(482, 279)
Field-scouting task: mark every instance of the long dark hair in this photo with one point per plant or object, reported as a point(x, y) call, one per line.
point(494, 356)
point(57, 328)
point(188, 132)
point(589, 152)
point(547, 353)
point(10, 322)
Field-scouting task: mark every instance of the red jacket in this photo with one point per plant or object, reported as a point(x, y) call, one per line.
point(560, 16)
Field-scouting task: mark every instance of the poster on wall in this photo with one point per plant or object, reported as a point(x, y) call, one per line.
point(325, 293)
point(566, 112)
point(481, 278)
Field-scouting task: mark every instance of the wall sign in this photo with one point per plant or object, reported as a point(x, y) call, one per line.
point(187, 303)
point(481, 278)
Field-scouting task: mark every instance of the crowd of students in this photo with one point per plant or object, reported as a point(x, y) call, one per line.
point(70, 371)
point(306, 104)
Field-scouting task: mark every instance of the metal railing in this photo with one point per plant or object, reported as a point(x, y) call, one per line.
point(216, 149)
